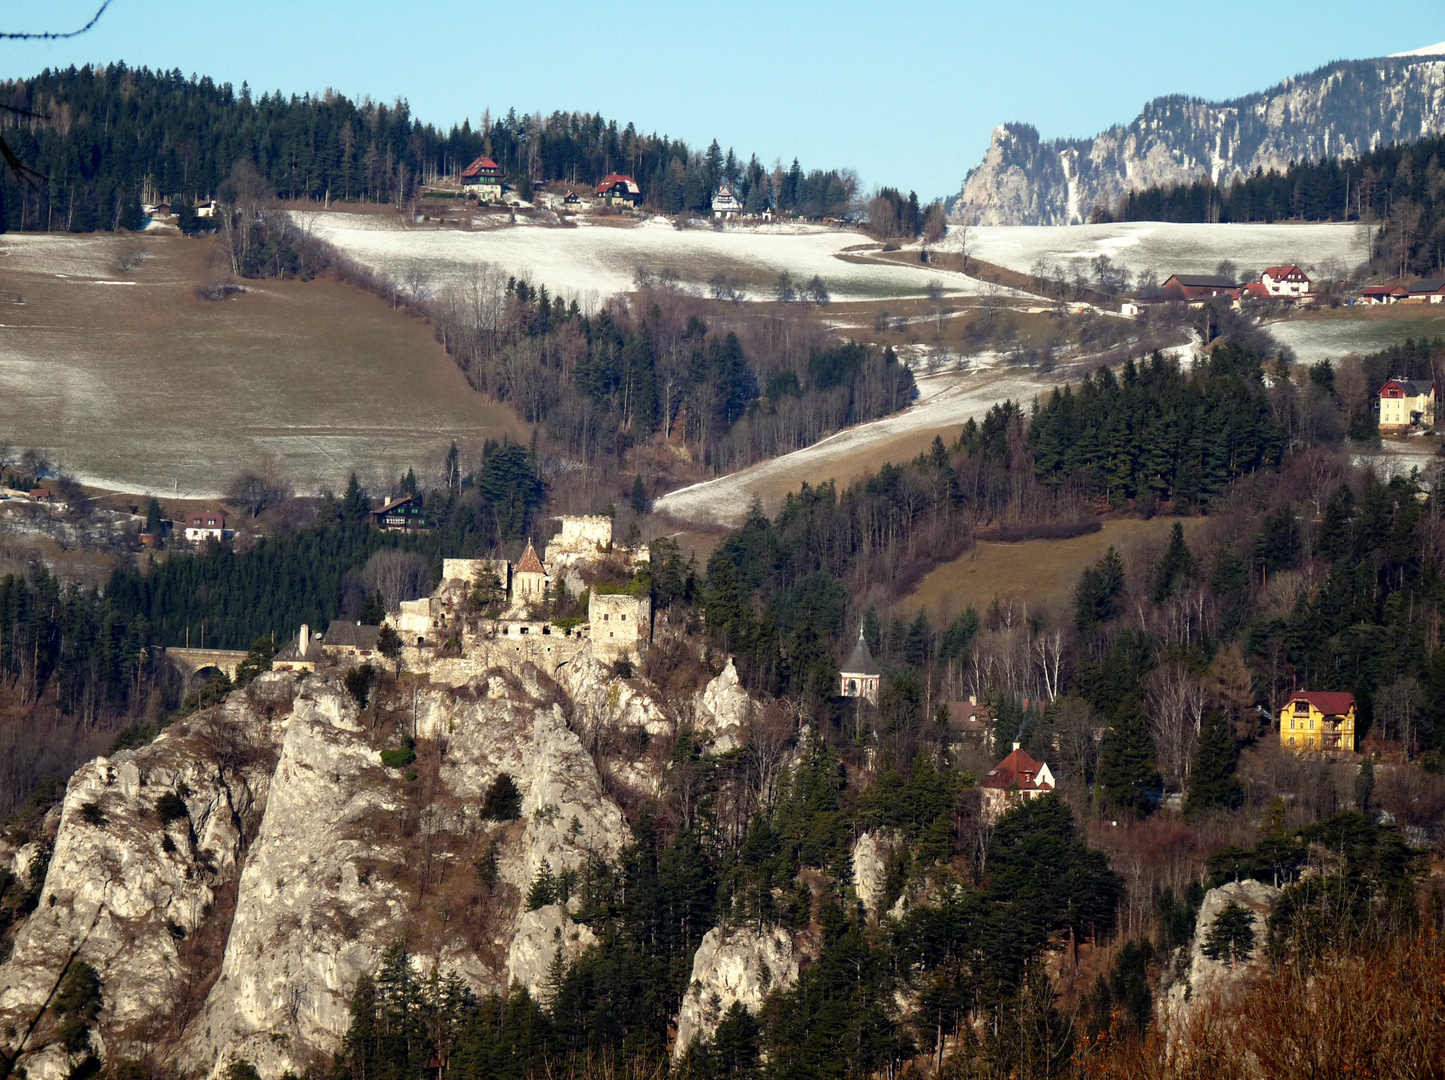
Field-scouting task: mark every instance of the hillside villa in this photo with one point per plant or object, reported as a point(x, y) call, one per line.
point(1016, 779)
point(1407, 405)
point(725, 204)
point(483, 178)
point(617, 189)
point(1317, 720)
point(1285, 282)
point(205, 525)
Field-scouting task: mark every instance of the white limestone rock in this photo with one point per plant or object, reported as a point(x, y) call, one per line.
point(541, 934)
point(743, 964)
point(1206, 979)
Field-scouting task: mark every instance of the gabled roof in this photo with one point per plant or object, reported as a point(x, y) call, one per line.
point(351, 635)
point(1201, 281)
point(530, 564)
point(1278, 272)
point(1426, 286)
point(1383, 290)
point(1410, 387)
point(860, 661)
point(389, 507)
point(1256, 289)
point(1021, 769)
point(1331, 703)
point(483, 164)
point(611, 180)
point(291, 651)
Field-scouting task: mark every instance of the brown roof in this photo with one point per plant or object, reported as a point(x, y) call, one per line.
point(1328, 702)
point(1018, 768)
point(206, 519)
point(1278, 272)
point(481, 165)
point(341, 635)
point(530, 564)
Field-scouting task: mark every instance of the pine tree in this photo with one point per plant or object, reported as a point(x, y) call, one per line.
point(1212, 780)
point(154, 522)
point(354, 504)
point(1231, 934)
point(640, 502)
point(1126, 775)
point(1178, 565)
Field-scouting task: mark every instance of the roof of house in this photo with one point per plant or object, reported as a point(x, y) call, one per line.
point(1201, 281)
point(389, 507)
point(199, 519)
point(481, 165)
point(611, 180)
point(1278, 272)
point(40, 493)
point(291, 651)
point(1383, 290)
point(1427, 285)
point(1331, 703)
point(860, 661)
point(968, 715)
point(1255, 288)
point(1411, 387)
point(342, 635)
point(1018, 768)
point(529, 563)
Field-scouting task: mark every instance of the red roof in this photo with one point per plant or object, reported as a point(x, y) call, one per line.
point(1278, 272)
point(1256, 288)
point(207, 519)
point(611, 180)
point(1018, 768)
point(530, 564)
point(1331, 703)
point(1383, 290)
point(483, 164)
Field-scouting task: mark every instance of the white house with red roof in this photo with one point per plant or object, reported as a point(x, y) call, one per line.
point(1286, 282)
point(617, 189)
point(1407, 405)
point(1014, 780)
point(483, 178)
point(205, 525)
point(1315, 720)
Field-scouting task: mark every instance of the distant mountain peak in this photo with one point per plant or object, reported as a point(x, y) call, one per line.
point(1341, 110)
point(1428, 50)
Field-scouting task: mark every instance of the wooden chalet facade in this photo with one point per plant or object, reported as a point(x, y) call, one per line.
point(401, 515)
point(617, 189)
point(483, 178)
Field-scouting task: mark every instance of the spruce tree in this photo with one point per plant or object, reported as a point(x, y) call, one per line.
point(1126, 774)
point(1212, 780)
point(1177, 566)
point(640, 502)
point(354, 504)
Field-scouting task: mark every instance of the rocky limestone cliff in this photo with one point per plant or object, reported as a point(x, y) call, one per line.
point(1343, 109)
point(741, 964)
point(1204, 979)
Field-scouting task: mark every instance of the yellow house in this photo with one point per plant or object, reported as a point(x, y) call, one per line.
point(1317, 720)
point(1407, 404)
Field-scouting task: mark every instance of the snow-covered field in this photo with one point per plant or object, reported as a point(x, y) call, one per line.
point(1329, 339)
point(945, 400)
point(599, 260)
point(1167, 248)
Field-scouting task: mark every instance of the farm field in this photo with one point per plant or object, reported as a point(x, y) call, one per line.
point(131, 383)
point(593, 261)
point(1329, 335)
point(1167, 248)
point(1032, 572)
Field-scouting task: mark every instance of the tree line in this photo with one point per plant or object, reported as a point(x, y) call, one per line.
point(108, 138)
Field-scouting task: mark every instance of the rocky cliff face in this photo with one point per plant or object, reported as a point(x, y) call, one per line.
point(1342, 110)
point(731, 965)
point(1202, 979)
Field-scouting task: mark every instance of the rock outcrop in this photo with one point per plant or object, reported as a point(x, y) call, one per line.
point(743, 965)
point(1206, 979)
point(1343, 109)
point(542, 935)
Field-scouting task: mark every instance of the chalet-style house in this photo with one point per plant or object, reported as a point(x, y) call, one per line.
point(400, 515)
point(619, 190)
point(725, 204)
point(1407, 405)
point(571, 201)
point(1288, 282)
point(1383, 294)
point(1318, 720)
point(1197, 287)
point(1014, 780)
point(483, 178)
point(205, 525)
point(1427, 291)
point(860, 674)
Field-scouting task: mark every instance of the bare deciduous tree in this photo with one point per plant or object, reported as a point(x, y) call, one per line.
point(398, 576)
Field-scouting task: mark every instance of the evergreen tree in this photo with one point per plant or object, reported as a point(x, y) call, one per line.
point(1100, 591)
point(1212, 780)
point(1176, 567)
point(1127, 777)
point(640, 502)
point(1231, 934)
point(154, 522)
point(355, 505)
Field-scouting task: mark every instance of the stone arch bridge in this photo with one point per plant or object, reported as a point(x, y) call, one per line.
point(192, 662)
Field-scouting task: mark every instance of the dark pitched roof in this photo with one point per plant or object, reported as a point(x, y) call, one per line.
point(291, 651)
point(1328, 702)
point(351, 635)
point(530, 564)
point(395, 503)
point(1202, 281)
point(1411, 387)
point(1427, 285)
point(860, 661)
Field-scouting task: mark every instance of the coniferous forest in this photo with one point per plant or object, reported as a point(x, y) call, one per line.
point(108, 138)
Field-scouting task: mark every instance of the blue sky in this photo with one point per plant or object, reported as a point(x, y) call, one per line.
point(906, 93)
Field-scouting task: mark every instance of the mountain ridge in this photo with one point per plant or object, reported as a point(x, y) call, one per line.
point(1339, 110)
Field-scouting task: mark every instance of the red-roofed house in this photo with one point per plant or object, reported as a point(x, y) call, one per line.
point(619, 190)
point(1407, 405)
point(483, 178)
point(1383, 294)
point(1014, 780)
point(1286, 281)
point(1318, 720)
point(205, 525)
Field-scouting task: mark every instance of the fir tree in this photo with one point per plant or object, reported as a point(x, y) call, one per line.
point(1231, 934)
point(1212, 780)
point(1126, 776)
point(640, 502)
point(355, 506)
point(1176, 567)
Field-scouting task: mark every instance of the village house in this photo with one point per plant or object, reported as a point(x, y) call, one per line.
point(299, 654)
point(1196, 288)
point(205, 525)
point(1318, 720)
point(1383, 294)
point(971, 720)
point(1287, 282)
point(859, 675)
point(350, 640)
point(483, 178)
point(619, 190)
point(1407, 405)
point(1016, 779)
point(1427, 291)
point(725, 204)
point(400, 515)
